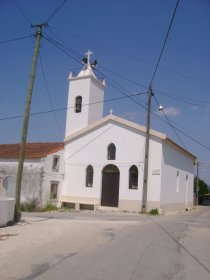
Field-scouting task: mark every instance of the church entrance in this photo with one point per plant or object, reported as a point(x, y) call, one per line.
point(110, 186)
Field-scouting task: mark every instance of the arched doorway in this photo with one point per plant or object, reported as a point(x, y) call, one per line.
point(110, 186)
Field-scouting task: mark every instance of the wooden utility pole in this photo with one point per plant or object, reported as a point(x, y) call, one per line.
point(146, 157)
point(17, 214)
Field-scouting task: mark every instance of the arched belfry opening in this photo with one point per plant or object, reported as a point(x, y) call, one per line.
point(110, 186)
point(78, 104)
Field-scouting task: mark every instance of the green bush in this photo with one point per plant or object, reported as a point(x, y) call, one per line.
point(30, 205)
point(154, 211)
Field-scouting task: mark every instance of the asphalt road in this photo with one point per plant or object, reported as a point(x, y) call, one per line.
point(103, 246)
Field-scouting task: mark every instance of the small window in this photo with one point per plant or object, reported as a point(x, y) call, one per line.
point(89, 176)
point(78, 104)
point(133, 177)
point(55, 165)
point(54, 190)
point(111, 152)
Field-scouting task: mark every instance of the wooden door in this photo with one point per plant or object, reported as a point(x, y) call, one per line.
point(110, 189)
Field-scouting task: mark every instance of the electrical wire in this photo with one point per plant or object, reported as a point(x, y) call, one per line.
point(135, 58)
point(59, 46)
point(62, 48)
point(120, 90)
point(181, 99)
point(171, 125)
point(122, 77)
point(181, 127)
point(186, 100)
point(164, 44)
point(22, 12)
point(56, 10)
point(91, 141)
point(16, 39)
point(49, 97)
point(67, 108)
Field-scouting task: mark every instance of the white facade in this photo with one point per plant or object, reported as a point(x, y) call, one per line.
point(89, 147)
point(38, 176)
point(171, 168)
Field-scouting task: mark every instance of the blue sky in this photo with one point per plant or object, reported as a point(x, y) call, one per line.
point(126, 38)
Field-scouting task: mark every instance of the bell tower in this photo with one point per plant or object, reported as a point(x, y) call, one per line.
point(85, 98)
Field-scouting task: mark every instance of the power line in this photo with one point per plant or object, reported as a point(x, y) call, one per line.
point(16, 39)
point(122, 77)
point(64, 44)
point(163, 47)
point(56, 10)
point(58, 45)
point(22, 12)
point(175, 124)
point(130, 56)
point(49, 97)
point(120, 89)
point(67, 108)
point(88, 143)
point(167, 122)
point(185, 100)
point(180, 140)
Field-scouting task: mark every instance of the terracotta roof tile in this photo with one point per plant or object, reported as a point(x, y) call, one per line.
point(33, 150)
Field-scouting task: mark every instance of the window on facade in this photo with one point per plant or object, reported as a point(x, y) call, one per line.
point(133, 177)
point(54, 190)
point(177, 181)
point(55, 165)
point(89, 176)
point(111, 152)
point(78, 104)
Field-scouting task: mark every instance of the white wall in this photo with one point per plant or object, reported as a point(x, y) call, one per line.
point(37, 177)
point(52, 176)
point(174, 161)
point(154, 169)
point(31, 182)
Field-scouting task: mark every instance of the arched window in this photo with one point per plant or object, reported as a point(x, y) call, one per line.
point(133, 177)
point(111, 152)
point(89, 176)
point(78, 104)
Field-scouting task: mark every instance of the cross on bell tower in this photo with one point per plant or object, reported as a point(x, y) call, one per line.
point(88, 53)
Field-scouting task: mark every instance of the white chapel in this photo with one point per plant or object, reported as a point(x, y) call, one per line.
point(101, 166)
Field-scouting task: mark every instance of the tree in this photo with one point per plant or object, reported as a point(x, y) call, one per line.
point(203, 189)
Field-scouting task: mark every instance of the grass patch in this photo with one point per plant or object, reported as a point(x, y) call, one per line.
point(153, 211)
point(48, 207)
point(31, 205)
